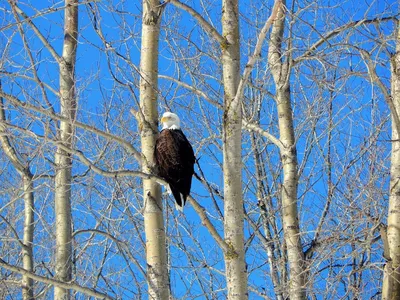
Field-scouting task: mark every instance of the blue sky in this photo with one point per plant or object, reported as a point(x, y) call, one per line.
point(188, 54)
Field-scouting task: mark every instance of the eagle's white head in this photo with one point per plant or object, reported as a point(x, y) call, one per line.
point(170, 120)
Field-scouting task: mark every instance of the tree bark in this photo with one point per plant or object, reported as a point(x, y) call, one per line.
point(236, 275)
point(157, 271)
point(391, 282)
point(63, 161)
point(281, 71)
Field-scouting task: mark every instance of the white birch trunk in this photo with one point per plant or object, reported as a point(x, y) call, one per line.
point(63, 160)
point(157, 271)
point(391, 282)
point(27, 254)
point(236, 275)
point(280, 71)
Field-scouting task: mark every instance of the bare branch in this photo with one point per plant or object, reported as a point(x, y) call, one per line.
point(335, 32)
point(115, 240)
point(247, 125)
point(15, 101)
point(41, 37)
point(207, 26)
point(207, 223)
point(376, 79)
point(257, 49)
point(266, 134)
point(9, 150)
point(84, 160)
point(54, 282)
point(123, 173)
point(33, 79)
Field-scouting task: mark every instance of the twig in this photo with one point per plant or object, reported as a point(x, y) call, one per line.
point(41, 37)
point(247, 125)
point(54, 282)
point(337, 31)
point(207, 26)
point(375, 79)
point(15, 101)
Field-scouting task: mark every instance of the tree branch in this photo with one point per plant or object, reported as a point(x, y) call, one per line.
point(207, 26)
point(264, 133)
point(54, 282)
point(115, 240)
point(122, 173)
point(15, 101)
point(9, 150)
point(207, 223)
point(247, 125)
point(375, 79)
point(41, 37)
point(125, 173)
point(337, 31)
point(257, 49)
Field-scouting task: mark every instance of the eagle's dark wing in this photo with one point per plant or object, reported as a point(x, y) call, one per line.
point(175, 161)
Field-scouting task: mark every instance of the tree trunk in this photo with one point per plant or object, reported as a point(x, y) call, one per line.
point(157, 271)
point(63, 160)
point(391, 284)
point(236, 275)
point(27, 292)
point(26, 175)
point(281, 72)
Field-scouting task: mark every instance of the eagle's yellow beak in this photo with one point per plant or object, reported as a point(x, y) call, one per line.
point(164, 119)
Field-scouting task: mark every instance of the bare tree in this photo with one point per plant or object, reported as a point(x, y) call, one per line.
point(63, 161)
point(236, 276)
point(27, 183)
point(391, 281)
point(280, 70)
point(157, 272)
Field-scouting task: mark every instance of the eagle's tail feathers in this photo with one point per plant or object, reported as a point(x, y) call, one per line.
point(179, 199)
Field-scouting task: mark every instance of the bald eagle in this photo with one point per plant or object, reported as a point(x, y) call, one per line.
point(175, 158)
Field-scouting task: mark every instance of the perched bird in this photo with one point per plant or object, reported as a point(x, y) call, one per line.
point(175, 158)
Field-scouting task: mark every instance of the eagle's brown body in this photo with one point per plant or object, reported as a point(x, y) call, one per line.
point(175, 160)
